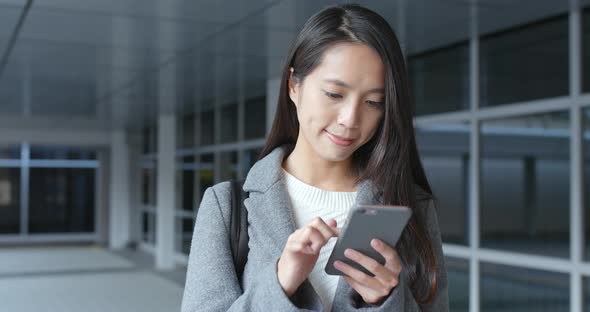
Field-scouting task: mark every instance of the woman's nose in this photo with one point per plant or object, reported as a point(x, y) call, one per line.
point(349, 115)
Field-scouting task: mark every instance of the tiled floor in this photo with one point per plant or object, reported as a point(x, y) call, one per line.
point(85, 278)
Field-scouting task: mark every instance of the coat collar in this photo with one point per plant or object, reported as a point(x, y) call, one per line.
point(269, 205)
point(267, 172)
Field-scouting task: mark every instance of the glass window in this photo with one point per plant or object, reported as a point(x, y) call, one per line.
point(229, 123)
point(249, 159)
point(10, 152)
point(207, 127)
point(184, 234)
point(586, 50)
point(458, 278)
point(62, 152)
point(505, 288)
point(63, 200)
point(444, 151)
point(228, 164)
point(525, 184)
point(10, 200)
point(186, 131)
point(525, 63)
point(145, 226)
point(148, 183)
point(206, 173)
point(149, 140)
point(440, 79)
point(152, 228)
point(586, 164)
point(255, 118)
point(186, 183)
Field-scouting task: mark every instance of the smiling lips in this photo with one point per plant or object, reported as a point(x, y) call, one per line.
point(338, 140)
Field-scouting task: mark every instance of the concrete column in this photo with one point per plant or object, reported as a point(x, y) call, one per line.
point(120, 210)
point(165, 204)
point(165, 184)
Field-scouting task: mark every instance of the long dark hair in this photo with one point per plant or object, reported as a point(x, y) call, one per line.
point(390, 158)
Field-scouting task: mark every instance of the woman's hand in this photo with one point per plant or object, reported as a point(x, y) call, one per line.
point(375, 289)
point(301, 252)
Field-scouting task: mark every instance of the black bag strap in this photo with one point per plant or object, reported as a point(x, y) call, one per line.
point(239, 227)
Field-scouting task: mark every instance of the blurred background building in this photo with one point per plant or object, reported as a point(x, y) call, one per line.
point(116, 115)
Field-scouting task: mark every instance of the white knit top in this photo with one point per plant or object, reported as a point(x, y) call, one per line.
point(309, 202)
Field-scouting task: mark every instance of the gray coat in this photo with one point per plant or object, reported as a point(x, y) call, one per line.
point(211, 281)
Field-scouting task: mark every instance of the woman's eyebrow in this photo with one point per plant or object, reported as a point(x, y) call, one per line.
point(345, 85)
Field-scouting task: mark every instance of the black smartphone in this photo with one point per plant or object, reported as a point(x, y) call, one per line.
point(365, 222)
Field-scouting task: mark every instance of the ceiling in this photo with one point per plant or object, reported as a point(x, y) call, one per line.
point(101, 60)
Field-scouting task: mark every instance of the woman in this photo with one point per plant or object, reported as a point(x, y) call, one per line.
point(342, 134)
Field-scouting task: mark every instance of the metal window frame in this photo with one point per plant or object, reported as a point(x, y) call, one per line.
point(25, 163)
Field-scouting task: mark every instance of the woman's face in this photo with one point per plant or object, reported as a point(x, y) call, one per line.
point(340, 102)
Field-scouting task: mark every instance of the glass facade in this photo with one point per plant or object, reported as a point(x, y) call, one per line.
point(63, 201)
point(505, 288)
point(458, 278)
point(62, 152)
point(255, 118)
point(10, 210)
point(51, 190)
point(444, 152)
point(586, 178)
point(527, 62)
point(440, 79)
point(586, 50)
point(525, 197)
point(10, 152)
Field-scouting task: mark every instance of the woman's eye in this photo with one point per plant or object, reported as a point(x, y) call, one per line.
point(333, 95)
point(374, 103)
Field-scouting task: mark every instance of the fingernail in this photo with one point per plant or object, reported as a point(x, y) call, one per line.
point(348, 253)
point(376, 242)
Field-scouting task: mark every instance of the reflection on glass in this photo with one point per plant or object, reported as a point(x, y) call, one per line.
point(586, 164)
point(255, 118)
point(525, 63)
point(440, 79)
point(9, 200)
point(505, 288)
point(152, 228)
point(229, 123)
point(249, 159)
point(206, 174)
point(187, 183)
point(228, 164)
point(586, 50)
point(186, 129)
point(148, 184)
point(184, 234)
point(458, 278)
point(145, 227)
point(207, 127)
point(10, 152)
point(444, 151)
point(525, 184)
point(149, 140)
point(63, 201)
point(62, 152)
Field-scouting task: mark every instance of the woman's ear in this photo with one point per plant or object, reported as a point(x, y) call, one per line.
point(293, 87)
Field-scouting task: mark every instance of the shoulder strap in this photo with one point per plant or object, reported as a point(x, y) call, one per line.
point(239, 227)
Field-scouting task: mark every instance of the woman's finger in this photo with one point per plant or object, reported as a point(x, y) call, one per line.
point(392, 260)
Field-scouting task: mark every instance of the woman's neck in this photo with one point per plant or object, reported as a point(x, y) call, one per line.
point(320, 173)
